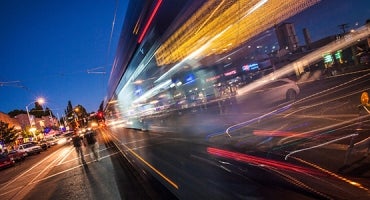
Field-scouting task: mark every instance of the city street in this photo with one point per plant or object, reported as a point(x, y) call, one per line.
point(58, 174)
point(221, 160)
point(185, 99)
point(315, 132)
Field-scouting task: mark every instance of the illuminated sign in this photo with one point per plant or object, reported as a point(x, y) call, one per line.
point(213, 78)
point(250, 67)
point(230, 73)
point(189, 78)
point(328, 58)
point(338, 54)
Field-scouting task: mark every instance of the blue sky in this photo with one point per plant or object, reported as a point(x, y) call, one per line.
point(322, 19)
point(48, 47)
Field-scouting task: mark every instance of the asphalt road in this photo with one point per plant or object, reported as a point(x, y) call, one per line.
point(58, 174)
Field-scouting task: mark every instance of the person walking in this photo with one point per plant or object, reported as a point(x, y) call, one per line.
point(77, 143)
point(93, 145)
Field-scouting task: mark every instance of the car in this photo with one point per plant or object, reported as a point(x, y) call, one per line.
point(65, 138)
point(280, 89)
point(5, 161)
point(16, 155)
point(270, 92)
point(51, 141)
point(44, 145)
point(30, 148)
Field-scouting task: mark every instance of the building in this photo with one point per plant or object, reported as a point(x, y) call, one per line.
point(23, 120)
point(11, 121)
point(287, 36)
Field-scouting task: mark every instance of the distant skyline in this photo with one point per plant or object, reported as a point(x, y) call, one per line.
point(323, 19)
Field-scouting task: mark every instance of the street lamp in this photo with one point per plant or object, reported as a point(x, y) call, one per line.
point(40, 101)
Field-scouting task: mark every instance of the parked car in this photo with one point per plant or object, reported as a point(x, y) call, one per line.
point(30, 148)
point(16, 155)
point(5, 161)
point(44, 145)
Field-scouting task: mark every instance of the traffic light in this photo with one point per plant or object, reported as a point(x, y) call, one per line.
point(100, 115)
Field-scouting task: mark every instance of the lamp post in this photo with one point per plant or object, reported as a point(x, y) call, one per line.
point(40, 101)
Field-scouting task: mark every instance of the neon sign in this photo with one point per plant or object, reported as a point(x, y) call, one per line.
point(230, 73)
point(250, 67)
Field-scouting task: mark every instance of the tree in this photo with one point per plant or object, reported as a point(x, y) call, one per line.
point(101, 107)
point(80, 111)
point(82, 115)
point(69, 112)
point(26, 133)
point(7, 134)
point(37, 111)
point(14, 113)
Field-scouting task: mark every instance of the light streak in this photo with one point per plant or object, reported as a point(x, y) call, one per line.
point(320, 145)
point(276, 133)
point(247, 18)
point(358, 185)
point(262, 162)
point(243, 124)
point(361, 33)
point(159, 2)
point(152, 92)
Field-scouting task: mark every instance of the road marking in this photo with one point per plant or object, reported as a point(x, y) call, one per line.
point(62, 160)
point(154, 169)
point(72, 148)
point(51, 176)
point(21, 192)
point(27, 171)
point(72, 168)
point(145, 162)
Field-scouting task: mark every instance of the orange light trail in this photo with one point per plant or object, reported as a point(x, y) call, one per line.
point(356, 184)
point(172, 183)
point(277, 133)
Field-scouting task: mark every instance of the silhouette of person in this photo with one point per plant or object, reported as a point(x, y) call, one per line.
point(77, 143)
point(93, 145)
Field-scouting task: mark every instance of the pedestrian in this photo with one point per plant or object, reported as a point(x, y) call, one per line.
point(77, 143)
point(92, 145)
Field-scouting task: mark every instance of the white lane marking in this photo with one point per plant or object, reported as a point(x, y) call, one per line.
point(72, 168)
point(88, 154)
point(62, 160)
point(27, 171)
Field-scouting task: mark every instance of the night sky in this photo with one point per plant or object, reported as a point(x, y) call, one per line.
point(48, 47)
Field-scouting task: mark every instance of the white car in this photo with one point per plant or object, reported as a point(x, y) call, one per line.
point(272, 91)
point(29, 149)
point(51, 141)
point(280, 90)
